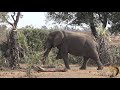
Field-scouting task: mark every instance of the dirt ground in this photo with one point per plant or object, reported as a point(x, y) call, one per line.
point(91, 72)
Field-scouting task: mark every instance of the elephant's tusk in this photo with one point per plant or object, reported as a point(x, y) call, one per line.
point(45, 51)
point(44, 56)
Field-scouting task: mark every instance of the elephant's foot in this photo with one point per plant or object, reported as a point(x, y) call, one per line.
point(83, 68)
point(68, 68)
point(100, 68)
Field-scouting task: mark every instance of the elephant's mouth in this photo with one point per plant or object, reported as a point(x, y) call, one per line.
point(47, 47)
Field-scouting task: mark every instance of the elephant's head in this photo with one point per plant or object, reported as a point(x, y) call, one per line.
point(54, 39)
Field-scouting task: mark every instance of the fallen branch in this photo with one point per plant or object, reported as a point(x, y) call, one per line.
point(40, 69)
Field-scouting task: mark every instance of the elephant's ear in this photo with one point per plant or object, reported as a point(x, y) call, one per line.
point(58, 38)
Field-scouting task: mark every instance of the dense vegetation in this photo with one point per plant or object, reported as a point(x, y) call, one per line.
point(31, 41)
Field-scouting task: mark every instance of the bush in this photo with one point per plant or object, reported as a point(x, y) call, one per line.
point(31, 42)
point(115, 54)
point(35, 38)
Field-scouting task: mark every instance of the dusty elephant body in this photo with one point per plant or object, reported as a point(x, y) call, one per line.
point(75, 43)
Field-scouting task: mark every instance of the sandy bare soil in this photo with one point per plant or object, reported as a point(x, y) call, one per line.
point(91, 72)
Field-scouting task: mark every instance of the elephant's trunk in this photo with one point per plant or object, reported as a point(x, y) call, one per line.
point(45, 55)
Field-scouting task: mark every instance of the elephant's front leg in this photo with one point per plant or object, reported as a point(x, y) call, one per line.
point(59, 53)
point(65, 59)
point(63, 50)
point(84, 65)
point(97, 59)
point(100, 65)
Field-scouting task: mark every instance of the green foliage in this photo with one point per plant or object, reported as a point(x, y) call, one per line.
point(2, 15)
point(114, 19)
point(74, 59)
point(103, 33)
point(22, 40)
point(92, 19)
point(1, 59)
point(78, 18)
point(35, 38)
point(2, 34)
point(31, 40)
point(115, 54)
point(60, 16)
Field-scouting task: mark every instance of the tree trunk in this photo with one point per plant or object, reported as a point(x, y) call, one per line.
point(13, 49)
point(93, 29)
point(92, 26)
point(12, 42)
point(104, 20)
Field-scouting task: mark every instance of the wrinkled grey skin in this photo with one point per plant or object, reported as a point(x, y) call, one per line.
point(74, 43)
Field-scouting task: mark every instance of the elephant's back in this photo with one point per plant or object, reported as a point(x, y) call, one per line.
point(75, 43)
point(74, 35)
point(79, 43)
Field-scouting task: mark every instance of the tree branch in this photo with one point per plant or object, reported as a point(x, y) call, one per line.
point(103, 19)
point(8, 21)
point(40, 69)
point(17, 19)
point(13, 17)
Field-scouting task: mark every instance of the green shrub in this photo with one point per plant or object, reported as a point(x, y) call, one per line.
point(74, 59)
point(35, 38)
point(22, 40)
point(31, 42)
point(115, 54)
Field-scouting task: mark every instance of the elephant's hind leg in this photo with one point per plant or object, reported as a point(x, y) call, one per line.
point(84, 65)
point(97, 60)
point(99, 64)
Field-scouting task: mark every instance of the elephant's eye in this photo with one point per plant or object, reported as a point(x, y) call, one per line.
point(50, 39)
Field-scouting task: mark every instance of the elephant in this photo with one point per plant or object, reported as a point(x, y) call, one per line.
point(74, 43)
